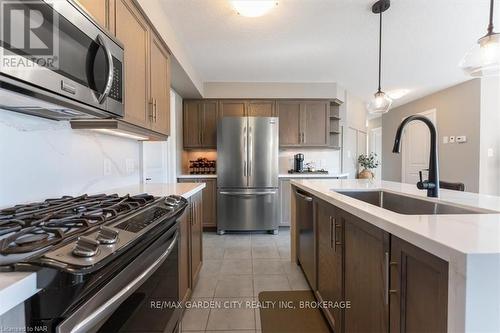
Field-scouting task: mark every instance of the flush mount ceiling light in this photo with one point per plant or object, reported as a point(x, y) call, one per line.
point(381, 102)
point(253, 8)
point(484, 58)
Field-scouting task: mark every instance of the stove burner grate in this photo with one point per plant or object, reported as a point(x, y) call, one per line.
point(38, 225)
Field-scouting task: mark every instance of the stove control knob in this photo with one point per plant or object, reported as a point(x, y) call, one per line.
point(176, 197)
point(107, 235)
point(86, 247)
point(171, 201)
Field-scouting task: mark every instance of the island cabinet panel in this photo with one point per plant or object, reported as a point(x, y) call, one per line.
point(330, 275)
point(419, 289)
point(366, 276)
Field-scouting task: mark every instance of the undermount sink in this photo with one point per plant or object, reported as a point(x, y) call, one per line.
point(403, 204)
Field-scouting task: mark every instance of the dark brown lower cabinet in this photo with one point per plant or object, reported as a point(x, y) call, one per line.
point(330, 261)
point(190, 246)
point(392, 285)
point(196, 234)
point(184, 279)
point(419, 285)
point(366, 260)
point(209, 199)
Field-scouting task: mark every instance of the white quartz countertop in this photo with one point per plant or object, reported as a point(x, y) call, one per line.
point(16, 287)
point(160, 189)
point(189, 176)
point(281, 175)
point(313, 175)
point(439, 234)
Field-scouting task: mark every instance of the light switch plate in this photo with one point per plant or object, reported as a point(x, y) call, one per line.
point(452, 139)
point(445, 139)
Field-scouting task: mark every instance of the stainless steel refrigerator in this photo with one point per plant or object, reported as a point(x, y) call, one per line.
point(247, 174)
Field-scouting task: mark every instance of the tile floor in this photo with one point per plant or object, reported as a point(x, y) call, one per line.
point(236, 267)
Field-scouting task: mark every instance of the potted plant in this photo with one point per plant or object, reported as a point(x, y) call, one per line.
point(368, 162)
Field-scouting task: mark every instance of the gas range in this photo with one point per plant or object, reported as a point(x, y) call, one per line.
point(87, 250)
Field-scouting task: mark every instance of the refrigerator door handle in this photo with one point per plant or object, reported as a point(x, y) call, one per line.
point(247, 193)
point(245, 152)
point(250, 148)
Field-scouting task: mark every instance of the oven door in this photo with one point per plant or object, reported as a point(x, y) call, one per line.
point(140, 298)
point(78, 60)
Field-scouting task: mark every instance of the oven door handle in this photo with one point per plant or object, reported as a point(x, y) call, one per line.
point(110, 306)
point(109, 82)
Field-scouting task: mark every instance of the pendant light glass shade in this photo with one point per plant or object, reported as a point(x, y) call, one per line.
point(484, 58)
point(381, 103)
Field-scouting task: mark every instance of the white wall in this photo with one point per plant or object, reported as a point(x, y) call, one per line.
point(489, 156)
point(353, 115)
point(43, 158)
point(329, 90)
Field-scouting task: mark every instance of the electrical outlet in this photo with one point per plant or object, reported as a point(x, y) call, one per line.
point(106, 167)
point(461, 139)
point(129, 165)
point(445, 139)
point(452, 139)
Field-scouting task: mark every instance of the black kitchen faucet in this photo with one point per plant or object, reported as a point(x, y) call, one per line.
point(432, 184)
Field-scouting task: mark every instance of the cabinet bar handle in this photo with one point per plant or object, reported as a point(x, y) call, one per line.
point(306, 198)
point(387, 271)
point(331, 233)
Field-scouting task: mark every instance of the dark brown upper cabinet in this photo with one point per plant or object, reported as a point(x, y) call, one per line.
point(261, 108)
point(304, 123)
point(247, 108)
point(200, 124)
point(232, 108)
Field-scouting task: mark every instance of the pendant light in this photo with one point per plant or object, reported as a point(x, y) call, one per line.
point(484, 58)
point(381, 102)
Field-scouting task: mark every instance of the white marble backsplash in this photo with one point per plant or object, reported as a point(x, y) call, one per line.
point(42, 158)
point(328, 159)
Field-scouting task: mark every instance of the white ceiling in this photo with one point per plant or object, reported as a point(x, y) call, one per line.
point(332, 41)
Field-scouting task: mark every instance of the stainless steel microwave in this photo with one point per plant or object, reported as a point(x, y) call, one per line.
point(58, 63)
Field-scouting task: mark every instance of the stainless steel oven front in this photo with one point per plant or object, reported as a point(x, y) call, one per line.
point(143, 297)
point(81, 64)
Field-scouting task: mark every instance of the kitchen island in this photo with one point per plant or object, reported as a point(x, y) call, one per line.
point(467, 245)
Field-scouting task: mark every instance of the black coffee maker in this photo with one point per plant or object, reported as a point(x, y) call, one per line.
point(298, 165)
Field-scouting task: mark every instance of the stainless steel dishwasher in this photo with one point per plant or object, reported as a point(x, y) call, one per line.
point(305, 224)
